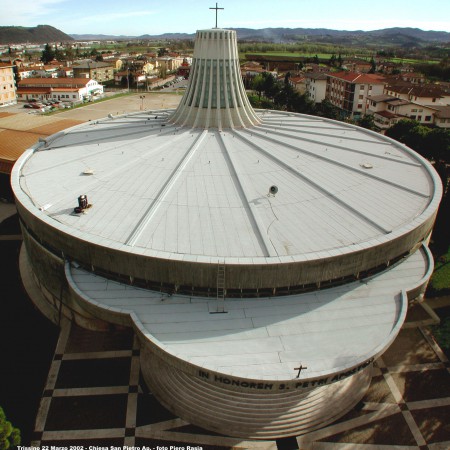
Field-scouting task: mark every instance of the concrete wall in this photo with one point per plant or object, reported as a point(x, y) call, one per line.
point(256, 413)
point(197, 276)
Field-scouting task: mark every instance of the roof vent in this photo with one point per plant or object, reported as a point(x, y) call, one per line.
point(272, 191)
point(366, 166)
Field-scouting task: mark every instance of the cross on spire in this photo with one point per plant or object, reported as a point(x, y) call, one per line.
point(216, 8)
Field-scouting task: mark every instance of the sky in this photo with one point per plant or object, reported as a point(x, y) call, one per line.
point(138, 17)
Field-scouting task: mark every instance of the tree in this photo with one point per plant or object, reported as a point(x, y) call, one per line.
point(401, 128)
point(266, 83)
point(48, 54)
point(59, 54)
point(9, 435)
point(366, 122)
point(326, 109)
point(69, 54)
point(439, 144)
point(332, 60)
point(162, 51)
point(430, 143)
point(258, 84)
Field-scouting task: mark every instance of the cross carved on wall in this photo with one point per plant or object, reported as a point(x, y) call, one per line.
point(299, 370)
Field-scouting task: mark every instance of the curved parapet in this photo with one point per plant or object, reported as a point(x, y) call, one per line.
point(241, 367)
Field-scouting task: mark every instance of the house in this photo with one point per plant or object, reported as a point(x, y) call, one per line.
point(74, 90)
point(425, 95)
point(442, 116)
point(413, 77)
point(98, 71)
point(298, 82)
point(65, 72)
point(388, 110)
point(46, 71)
point(348, 91)
point(7, 85)
point(357, 65)
point(316, 86)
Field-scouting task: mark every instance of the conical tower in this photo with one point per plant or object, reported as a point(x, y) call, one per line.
point(215, 96)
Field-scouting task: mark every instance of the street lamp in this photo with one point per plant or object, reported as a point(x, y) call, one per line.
point(142, 101)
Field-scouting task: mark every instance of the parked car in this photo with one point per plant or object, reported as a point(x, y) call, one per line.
point(27, 105)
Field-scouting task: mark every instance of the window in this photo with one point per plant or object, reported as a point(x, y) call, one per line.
point(361, 97)
point(413, 117)
point(419, 118)
point(427, 118)
point(359, 106)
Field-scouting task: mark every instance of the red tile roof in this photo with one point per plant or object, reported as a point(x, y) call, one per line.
point(361, 78)
point(54, 82)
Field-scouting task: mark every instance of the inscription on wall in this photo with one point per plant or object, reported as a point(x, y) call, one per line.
point(294, 384)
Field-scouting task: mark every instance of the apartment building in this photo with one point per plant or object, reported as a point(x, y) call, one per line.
point(316, 86)
point(348, 91)
point(98, 71)
point(7, 85)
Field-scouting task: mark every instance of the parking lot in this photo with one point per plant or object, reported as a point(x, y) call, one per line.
point(20, 127)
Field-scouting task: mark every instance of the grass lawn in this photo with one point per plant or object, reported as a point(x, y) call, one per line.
point(441, 276)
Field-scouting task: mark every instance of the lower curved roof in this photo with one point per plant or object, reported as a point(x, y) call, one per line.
point(203, 195)
point(328, 331)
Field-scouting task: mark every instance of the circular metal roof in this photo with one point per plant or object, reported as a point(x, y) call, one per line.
point(293, 188)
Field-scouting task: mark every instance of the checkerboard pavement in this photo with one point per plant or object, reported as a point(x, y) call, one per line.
point(95, 395)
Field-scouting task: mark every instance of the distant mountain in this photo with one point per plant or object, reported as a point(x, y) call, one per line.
point(398, 36)
point(392, 36)
point(37, 35)
point(106, 37)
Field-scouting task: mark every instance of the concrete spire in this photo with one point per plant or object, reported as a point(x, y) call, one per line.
point(215, 96)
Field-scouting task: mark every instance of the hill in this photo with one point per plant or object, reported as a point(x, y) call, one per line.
point(388, 36)
point(39, 35)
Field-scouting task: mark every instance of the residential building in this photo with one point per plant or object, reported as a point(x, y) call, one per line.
point(442, 116)
point(298, 82)
point(388, 110)
point(98, 71)
point(357, 65)
point(348, 91)
point(169, 63)
point(316, 86)
point(425, 95)
point(413, 77)
point(46, 71)
point(7, 85)
point(72, 90)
